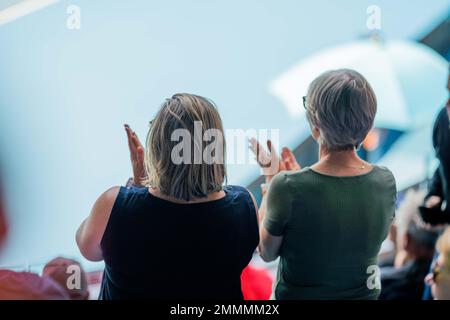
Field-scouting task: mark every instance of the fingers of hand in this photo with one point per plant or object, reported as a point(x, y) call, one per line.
point(131, 145)
point(128, 131)
point(433, 201)
point(136, 140)
point(140, 153)
point(261, 155)
point(271, 148)
point(285, 159)
point(289, 158)
point(253, 146)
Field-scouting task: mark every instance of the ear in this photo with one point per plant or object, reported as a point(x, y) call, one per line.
point(315, 132)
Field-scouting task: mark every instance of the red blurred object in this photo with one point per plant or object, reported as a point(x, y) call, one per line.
point(256, 284)
point(3, 227)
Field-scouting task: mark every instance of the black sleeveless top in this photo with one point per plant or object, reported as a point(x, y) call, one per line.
point(157, 249)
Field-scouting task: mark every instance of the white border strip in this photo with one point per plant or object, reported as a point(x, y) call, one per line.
point(22, 9)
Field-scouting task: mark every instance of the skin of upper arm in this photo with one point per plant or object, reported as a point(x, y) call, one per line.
point(269, 251)
point(90, 232)
point(269, 245)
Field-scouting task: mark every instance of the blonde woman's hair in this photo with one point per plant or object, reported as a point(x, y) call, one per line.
point(342, 105)
point(186, 180)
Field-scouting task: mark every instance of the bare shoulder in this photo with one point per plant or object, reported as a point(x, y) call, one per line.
point(105, 202)
point(91, 230)
point(110, 194)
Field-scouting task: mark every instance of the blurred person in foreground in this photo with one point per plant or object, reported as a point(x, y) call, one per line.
point(327, 222)
point(439, 194)
point(25, 285)
point(439, 278)
point(407, 211)
point(176, 232)
point(406, 282)
point(69, 275)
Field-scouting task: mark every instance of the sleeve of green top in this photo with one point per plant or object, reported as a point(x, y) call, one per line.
point(394, 195)
point(278, 206)
point(390, 184)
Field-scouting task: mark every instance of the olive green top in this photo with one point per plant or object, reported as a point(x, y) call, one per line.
point(332, 230)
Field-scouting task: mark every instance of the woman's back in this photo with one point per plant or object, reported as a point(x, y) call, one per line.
point(154, 248)
point(333, 228)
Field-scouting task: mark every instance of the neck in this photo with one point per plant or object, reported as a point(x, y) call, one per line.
point(210, 197)
point(338, 157)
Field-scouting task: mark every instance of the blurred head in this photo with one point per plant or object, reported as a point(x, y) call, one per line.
point(185, 148)
point(341, 108)
point(448, 80)
point(407, 211)
point(69, 275)
point(439, 279)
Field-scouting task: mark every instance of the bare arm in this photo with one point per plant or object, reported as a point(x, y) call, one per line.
point(91, 230)
point(269, 245)
point(268, 251)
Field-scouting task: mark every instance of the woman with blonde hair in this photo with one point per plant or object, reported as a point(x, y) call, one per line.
point(176, 231)
point(327, 222)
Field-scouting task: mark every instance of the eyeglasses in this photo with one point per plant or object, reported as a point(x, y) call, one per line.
point(304, 103)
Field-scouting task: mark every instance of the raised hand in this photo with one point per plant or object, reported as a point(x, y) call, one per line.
point(269, 160)
point(433, 201)
point(136, 155)
point(289, 160)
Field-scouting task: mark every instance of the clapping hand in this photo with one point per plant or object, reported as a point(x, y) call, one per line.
point(136, 155)
point(269, 160)
point(433, 201)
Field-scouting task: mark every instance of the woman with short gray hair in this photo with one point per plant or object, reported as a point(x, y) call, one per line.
point(327, 222)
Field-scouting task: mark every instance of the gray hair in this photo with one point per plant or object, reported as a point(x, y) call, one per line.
point(342, 105)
